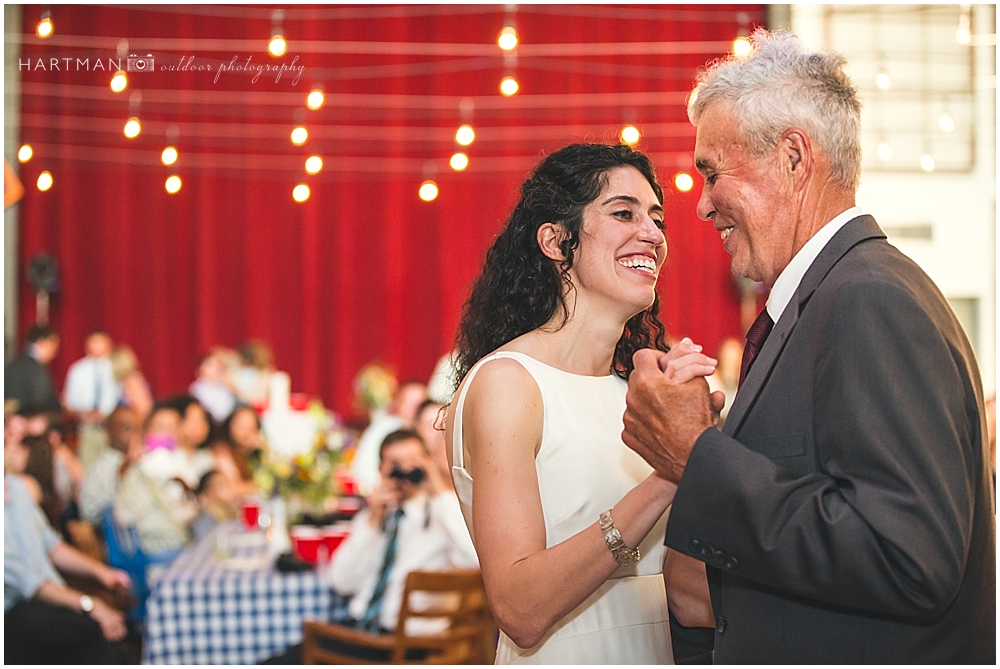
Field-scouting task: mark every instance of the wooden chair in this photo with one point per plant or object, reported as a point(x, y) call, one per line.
point(459, 599)
point(84, 539)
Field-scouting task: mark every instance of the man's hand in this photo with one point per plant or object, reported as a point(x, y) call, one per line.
point(663, 419)
point(384, 496)
point(112, 578)
point(111, 621)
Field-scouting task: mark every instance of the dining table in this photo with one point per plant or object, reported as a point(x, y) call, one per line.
point(223, 601)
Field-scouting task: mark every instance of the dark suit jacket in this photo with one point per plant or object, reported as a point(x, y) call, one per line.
point(846, 512)
point(28, 381)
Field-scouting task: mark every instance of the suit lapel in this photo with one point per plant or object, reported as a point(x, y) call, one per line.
point(855, 231)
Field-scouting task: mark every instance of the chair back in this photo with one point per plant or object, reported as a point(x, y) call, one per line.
point(444, 618)
point(84, 538)
point(125, 553)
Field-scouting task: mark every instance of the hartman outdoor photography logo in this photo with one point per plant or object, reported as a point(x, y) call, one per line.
point(135, 63)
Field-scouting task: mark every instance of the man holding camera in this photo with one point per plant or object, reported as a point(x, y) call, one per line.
point(413, 522)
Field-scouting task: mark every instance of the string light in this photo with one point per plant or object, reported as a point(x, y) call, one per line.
point(277, 46)
point(44, 29)
point(509, 86)
point(742, 47)
point(173, 184)
point(465, 135)
point(132, 127)
point(683, 182)
point(299, 135)
point(964, 33)
point(508, 38)
point(459, 161)
point(428, 191)
point(44, 181)
point(927, 162)
point(314, 164)
point(169, 155)
point(884, 151)
point(316, 99)
point(119, 82)
point(946, 122)
point(301, 193)
point(630, 135)
point(25, 153)
point(882, 80)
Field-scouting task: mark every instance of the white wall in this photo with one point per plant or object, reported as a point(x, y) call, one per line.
point(960, 207)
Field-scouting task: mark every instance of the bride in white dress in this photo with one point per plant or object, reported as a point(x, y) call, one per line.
point(567, 521)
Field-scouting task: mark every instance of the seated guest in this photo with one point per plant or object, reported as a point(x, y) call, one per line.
point(45, 622)
point(252, 377)
point(232, 451)
point(15, 457)
point(213, 387)
point(100, 483)
point(135, 389)
point(151, 496)
point(192, 438)
point(217, 498)
point(68, 471)
point(401, 414)
point(430, 426)
point(410, 524)
point(40, 467)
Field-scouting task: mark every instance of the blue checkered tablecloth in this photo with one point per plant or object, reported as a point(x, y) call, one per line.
point(230, 610)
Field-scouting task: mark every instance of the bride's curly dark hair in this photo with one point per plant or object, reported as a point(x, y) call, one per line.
point(520, 289)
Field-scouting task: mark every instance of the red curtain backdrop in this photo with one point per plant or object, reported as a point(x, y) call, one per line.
point(363, 270)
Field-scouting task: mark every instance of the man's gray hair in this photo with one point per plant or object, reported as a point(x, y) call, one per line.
point(779, 86)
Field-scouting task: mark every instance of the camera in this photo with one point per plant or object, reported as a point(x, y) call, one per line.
point(415, 476)
point(135, 64)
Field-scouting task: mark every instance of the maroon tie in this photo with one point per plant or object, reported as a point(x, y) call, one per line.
point(755, 341)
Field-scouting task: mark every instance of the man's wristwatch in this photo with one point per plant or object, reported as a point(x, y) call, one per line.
point(86, 604)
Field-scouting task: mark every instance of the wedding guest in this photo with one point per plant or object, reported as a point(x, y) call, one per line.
point(217, 497)
point(213, 387)
point(46, 622)
point(91, 392)
point(135, 392)
point(430, 427)
point(192, 436)
point(252, 378)
point(103, 477)
point(402, 413)
point(240, 439)
point(27, 378)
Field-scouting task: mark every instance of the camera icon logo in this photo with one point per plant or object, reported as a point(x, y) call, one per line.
point(136, 64)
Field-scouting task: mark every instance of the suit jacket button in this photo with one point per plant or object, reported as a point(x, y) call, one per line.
point(732, 563)
point(720, 625)
point(694, 545)
point(707, 551)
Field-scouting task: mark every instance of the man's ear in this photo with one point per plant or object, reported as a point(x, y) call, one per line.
point(550, 236)
point(796, 153)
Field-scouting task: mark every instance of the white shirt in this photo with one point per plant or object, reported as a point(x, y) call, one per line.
point(790, 277)
point(90, 384)
point(432, 537)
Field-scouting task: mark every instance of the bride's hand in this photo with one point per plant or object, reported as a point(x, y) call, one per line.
point(685, 361)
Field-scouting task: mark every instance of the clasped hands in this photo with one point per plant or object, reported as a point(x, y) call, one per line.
point(669, 405)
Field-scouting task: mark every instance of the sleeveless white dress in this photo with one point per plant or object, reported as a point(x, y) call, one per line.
point(584, 468)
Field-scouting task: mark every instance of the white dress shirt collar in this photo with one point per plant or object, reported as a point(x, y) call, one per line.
point(790, 277)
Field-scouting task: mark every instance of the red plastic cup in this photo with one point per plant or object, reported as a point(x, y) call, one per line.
point(251, 513)
point(299, 401)
point(346, 481)
point(333, 536)
point(306, 542)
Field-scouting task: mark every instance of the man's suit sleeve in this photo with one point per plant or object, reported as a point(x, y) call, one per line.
point(884, 524)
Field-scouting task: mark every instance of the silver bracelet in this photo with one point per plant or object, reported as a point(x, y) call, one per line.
point(622, 552)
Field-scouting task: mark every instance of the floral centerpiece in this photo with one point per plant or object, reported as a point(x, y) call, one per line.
point(374, 387)
point(300, 455)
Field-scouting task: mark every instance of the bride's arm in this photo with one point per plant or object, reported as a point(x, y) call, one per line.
point(530, 587)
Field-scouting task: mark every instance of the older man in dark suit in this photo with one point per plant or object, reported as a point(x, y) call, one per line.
point(845, 512)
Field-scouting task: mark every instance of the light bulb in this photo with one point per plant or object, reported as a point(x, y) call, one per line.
point(132, 128)
point(299, 135)
point(44, 28)
point(508, 38)
point(25, 153)
point(630, 135)
point(315, 99)
point(44, 181)
point(119, 82)
point(459, 161)
point(883, 81)
point(509, 86)
point(465, 135)
point(428, 191)
point(301, 193)
point(169, 156)
point(884, 151)
point(927, 162)
point(683, 182)
point(173, 184)
point(946, 122)
point(277, 46)
point(314, 164)
point(742, 47)
point(962, 36)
